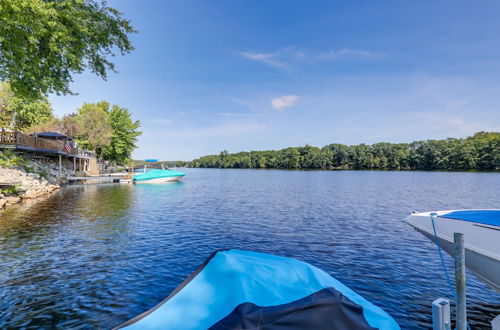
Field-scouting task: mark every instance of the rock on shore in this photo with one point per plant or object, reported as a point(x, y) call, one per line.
point(36, 178)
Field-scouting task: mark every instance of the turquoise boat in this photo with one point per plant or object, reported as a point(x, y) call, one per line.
point(236, 289)
point(158, 176)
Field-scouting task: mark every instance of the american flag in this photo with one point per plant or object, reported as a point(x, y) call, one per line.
point(67, 147)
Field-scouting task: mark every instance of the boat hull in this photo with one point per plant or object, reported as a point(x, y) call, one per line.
point(482, 243)
point(161, 180)
point(158, 176)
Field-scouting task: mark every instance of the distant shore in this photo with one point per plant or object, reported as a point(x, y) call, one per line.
point(351, 169)
point(478, 152)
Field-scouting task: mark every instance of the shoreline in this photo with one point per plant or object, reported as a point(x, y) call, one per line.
point(30, 180)
point(350, 169)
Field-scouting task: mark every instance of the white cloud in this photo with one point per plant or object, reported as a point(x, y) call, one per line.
point(243, 103)
point(231, 114)
point(266, 58)
point(345, 52)
point(286, 58)
point(283, 102)
point(162, 121)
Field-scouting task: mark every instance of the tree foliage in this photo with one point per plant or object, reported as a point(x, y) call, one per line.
point(480, 151)
point(19, 113)
point(109, 130)
point(44, 42)
point(124, 135)
point(67, 125)
point(95, 126)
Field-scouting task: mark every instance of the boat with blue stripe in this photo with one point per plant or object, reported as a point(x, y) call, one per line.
point(237, 289)
point(481, 229)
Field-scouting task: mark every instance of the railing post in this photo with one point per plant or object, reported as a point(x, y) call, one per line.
point(460, 281)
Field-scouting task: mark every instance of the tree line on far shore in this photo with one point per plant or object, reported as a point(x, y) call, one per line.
point(478, 152)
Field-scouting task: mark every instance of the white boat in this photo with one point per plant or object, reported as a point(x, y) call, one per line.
point(481, 229)
point(158, 176)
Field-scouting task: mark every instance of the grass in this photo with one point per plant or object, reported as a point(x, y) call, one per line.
point(10, 159)
point(13, 190)
point(43, 174)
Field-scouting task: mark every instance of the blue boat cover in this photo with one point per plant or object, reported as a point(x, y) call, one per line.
point(487, 217)
point(249, 290)
point(155, 174)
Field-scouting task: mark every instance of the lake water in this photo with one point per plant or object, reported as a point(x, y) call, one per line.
point(97, 255)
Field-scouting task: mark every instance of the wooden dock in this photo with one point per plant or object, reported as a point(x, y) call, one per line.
point(93, 179)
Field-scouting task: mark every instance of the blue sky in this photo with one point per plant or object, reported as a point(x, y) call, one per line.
point(256, 75)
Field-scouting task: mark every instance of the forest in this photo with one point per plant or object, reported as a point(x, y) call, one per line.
point(478, 152)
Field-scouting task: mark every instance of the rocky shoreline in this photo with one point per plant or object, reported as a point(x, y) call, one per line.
point(35, 178)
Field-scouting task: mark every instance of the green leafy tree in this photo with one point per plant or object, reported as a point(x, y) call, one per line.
point(487, 145)
point(124, 135)
point(19, 113)
point(67, 125)
point(361, 156)
point(480, 152)
point(44, 42)
point(339, 155)
point(6, 112)
point(95, 127)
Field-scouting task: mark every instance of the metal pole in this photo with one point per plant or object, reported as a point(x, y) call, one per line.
point(460, 281)
point(74, 164)
point(60, 165)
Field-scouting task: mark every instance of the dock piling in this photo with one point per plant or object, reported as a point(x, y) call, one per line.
point(460, 281)
point(60, 165)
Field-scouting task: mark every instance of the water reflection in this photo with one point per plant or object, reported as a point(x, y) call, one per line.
point(95, 256)
point(50, 248)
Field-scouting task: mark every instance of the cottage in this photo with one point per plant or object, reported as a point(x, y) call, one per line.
point(52, 145)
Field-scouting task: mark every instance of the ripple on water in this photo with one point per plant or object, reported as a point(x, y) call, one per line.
point(95, 256)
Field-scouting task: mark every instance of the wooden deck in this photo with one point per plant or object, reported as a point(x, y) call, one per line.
point(25, 142)
point(93, 179)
